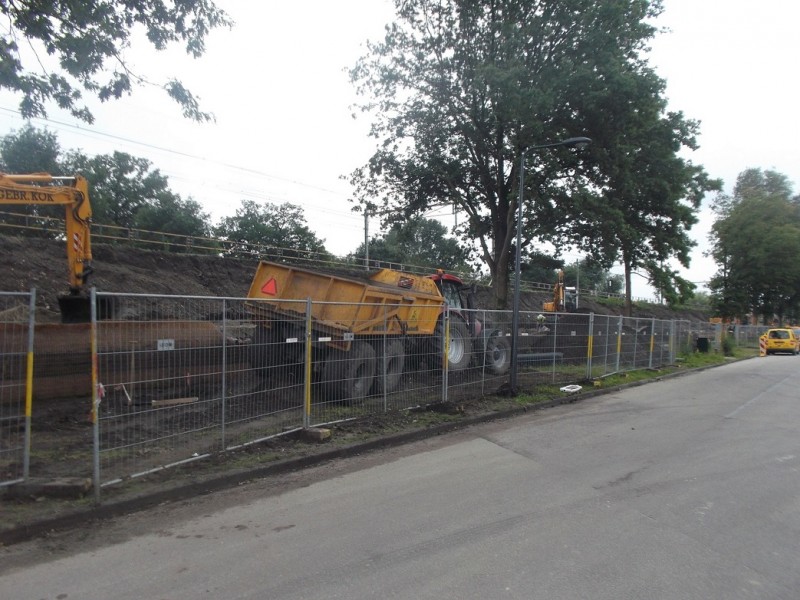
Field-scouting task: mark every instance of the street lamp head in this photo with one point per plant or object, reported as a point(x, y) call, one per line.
point(573, 142)
point(577, 142)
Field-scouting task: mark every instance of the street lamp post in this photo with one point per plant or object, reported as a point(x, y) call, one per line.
point(572, 142)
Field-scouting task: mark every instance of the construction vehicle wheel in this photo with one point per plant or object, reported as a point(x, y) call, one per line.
point(349, 375)
point(269, 349)
point(498, 354)
point(460, 347)
point(393, 363)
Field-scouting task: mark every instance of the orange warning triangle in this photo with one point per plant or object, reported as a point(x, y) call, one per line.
point(270, 288)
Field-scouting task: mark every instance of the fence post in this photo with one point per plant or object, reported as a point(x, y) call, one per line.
point(385, 361)
point(482, 349)
point(590, 347)
point(555, 347)
point(224, 369)
point(95, 395)
point(652, 341)
point(307, 369)
point(26, 457)
point(672, 341)
point(446, 353)
point(619, 343)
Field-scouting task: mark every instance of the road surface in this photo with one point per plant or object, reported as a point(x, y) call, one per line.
point(683, 488)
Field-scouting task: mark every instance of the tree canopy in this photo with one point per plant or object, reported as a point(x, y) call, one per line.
point(88, 39)
point(125, 191)
point(280, 230)
point(756, 242)
point(418, 242)
point(457, 91)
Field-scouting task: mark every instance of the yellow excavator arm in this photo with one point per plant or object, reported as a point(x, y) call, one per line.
point(73, 194)
point(557, 304)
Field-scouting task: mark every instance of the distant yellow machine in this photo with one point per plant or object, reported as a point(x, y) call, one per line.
point(565, 299)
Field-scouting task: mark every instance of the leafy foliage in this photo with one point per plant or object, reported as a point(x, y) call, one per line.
point(120, 185)
point(592, 277)
point(457, 91)
point(419, 242)
point(647, 194)
point(30, 150)
point(280, 228)
point(88, 40)
point(756, 242)
point(169, 213)
point(124, 190)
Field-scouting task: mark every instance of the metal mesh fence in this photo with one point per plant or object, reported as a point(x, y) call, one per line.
point(16, 355)
point(180, 378)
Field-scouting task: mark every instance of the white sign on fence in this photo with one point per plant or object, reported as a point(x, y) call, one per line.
point(166, 345)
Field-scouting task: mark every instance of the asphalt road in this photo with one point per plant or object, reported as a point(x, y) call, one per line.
point(684, 488)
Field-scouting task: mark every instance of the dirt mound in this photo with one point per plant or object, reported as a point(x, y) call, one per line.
point(41, 263)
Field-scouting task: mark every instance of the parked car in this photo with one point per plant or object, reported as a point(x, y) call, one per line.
point(782, 340)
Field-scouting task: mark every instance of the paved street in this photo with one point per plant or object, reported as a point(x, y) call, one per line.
point(679, 489)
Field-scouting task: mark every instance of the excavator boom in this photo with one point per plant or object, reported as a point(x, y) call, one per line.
point(73, 194)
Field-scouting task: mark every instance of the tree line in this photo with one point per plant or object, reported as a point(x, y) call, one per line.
point(467, 103)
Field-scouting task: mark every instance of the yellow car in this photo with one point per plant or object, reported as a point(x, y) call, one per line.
point(782, 340)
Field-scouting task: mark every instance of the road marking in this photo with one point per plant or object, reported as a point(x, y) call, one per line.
point(763, 394)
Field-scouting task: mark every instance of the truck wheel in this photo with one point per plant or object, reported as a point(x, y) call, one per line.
point(349, 375)
point(269, 349)
point(460, 347)
point(498, 354)
point(394, 362)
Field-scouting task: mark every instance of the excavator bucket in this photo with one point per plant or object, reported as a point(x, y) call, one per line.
point(76, 308)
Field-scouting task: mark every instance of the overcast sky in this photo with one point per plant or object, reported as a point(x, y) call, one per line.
point(284, 132)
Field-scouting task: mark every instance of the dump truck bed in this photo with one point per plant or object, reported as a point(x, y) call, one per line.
point(386, 301)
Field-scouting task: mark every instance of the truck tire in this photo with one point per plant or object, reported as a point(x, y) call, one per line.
point(394, 363)
point(268, 349)
point(460, 347)
point(498, 354)
point(349, 375)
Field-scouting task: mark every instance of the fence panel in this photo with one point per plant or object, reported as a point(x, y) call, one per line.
point(181, 378)
point(604, 345)
point(177, 382)
point(16, 380)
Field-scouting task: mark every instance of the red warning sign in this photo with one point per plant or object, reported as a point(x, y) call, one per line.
point(270, 288)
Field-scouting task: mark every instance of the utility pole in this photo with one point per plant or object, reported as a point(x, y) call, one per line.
point(366, 238)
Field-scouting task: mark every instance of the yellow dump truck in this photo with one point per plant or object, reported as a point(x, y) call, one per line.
point(362, 329)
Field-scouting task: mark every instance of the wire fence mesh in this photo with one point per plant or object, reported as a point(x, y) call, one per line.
point(181, 378)
point(16, 375)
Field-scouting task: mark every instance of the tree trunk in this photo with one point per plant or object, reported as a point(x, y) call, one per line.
point(500, 281)
point(628, 310)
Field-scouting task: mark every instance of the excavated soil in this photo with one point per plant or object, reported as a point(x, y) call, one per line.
point(41, 263)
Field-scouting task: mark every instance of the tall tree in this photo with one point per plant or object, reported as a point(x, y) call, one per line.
point(169, 213)
point(279, 231)
point(645, 194)
point(31, 150)
point(88, 39)
point(756, 242)
point(418, 242)
point(457, 90)
point(120, 185)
